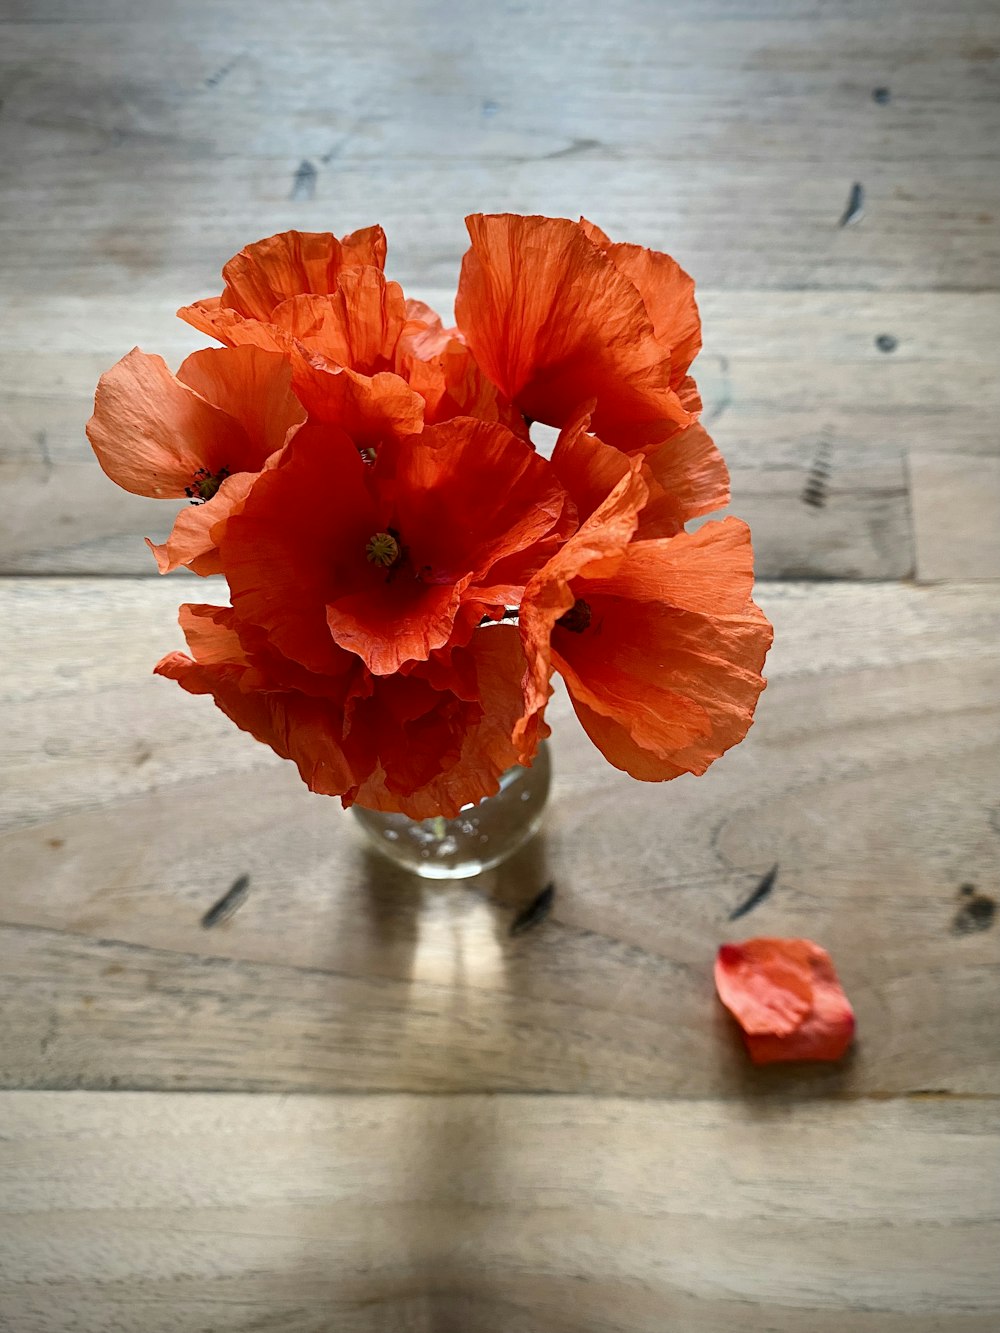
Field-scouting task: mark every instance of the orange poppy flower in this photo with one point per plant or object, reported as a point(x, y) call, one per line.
point(368, 408)
point(297, 713)
point(787, 999)
point(329, 552)
point(264, 275)
point(492, 666)
point(668, 294)
point(437, 363)
point(554, 319)
point(657, 640)
point(330, 301)
point(685, 477)
point(365, 479)
point(203, 434)
point(400, 743)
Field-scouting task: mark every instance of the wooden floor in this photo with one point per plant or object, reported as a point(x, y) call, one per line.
point(359, 1105)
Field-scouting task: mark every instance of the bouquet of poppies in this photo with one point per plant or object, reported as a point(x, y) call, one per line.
point(406, 570)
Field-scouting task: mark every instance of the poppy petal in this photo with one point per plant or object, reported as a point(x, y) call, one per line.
point(390, 623)
point(358, 325)
point(671, 653)
point(474, 494)
point(367, 408)
point(553, 323)
point(193, 540)
point(284, 553)
point(667, 293)
point(252, 386)
point(588, 468)
point(598, 545)
point(233, 329)
point(153, 434)
point(709, 571)
point(452, 385)
point(270, 271)
point(424, 335)
point(711, 662)
point(787, 999)
point(307, 730)
point(691, 480)
point(295, 726)
point(487, 749)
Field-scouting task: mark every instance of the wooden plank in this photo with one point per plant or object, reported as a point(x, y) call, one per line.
point(730, 136)
point(792, 382)
point(129, 808)
point(515, 1215)
point(956, 515)
point(225, 12)
point(854, 523)
point(647, 124)
point(483, 88)
point(779, 229)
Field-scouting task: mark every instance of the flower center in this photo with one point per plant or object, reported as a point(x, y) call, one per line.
point(384, 549)
point(205, 484)
point(577, 618)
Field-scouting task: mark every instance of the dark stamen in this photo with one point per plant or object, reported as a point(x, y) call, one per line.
point(383, 549)
point(577, 618)
point(205, 484)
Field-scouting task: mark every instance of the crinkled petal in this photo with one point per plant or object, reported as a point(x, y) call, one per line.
point(393, 621)
point(487, 746)
point(709, 571)
point(270, 271)
point(357, 326)
point(424, 335)
point(598, 545)
point(667, 293)
point(152, 434)
point(300, 536)
point(252, 386)
point(588, 468)
point(233, 329)
point(193, 540)
point(688, 478)
point(473, 494)
point(665, 677)
point(786, 997)
point(554, 323)
point(307, 730)
point(678, 689)
point(367, 408)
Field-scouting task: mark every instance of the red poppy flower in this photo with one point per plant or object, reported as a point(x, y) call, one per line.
point(554, 319)
point(401, 743)
point(330, 552)
point(657, 640)
point(203, 434)
point(269, 272)
point(787, 999)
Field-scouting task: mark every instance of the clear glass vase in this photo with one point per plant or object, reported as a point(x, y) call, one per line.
point(480, 837)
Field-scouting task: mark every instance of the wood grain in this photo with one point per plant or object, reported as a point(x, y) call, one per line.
point(519, 1215)
point(956, 517)
point(791, 381)
point(130, 808)
point(732, 137)
point(849, 376)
